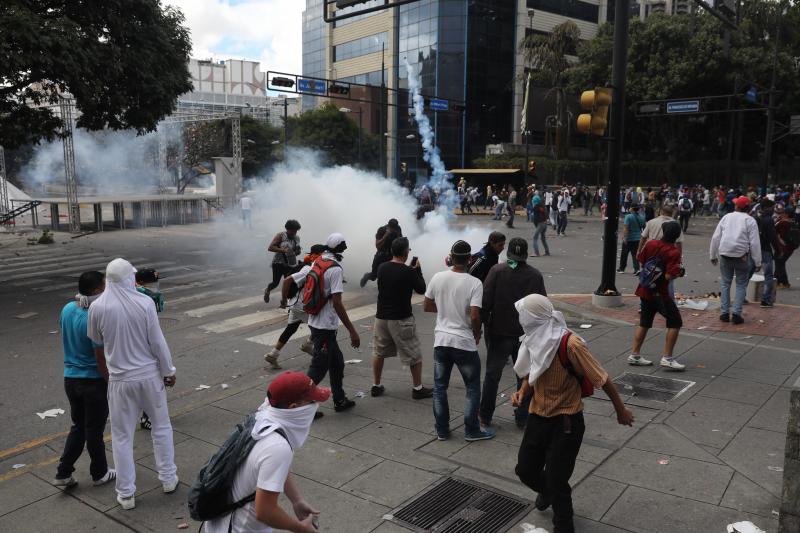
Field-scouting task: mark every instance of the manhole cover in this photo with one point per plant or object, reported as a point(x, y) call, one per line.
point(457, 505)
point(648, 387)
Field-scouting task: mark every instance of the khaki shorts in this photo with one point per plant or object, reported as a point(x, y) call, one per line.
point(393, 337)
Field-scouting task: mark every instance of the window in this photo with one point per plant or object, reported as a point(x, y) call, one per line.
point(568, 8)
point(360, 47)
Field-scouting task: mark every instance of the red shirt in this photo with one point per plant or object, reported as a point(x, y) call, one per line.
point(671, 259)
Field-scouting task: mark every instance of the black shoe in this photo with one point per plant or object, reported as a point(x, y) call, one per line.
point(725, 317)
point(766, 304)
point(422, 393)
point(343, 405)
point(364, 279)
point(542, 503)
point(318, 415)
point(737, 319)
point(377, 390)
point(266, 296)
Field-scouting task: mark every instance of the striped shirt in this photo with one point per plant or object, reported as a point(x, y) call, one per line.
point(557, 392)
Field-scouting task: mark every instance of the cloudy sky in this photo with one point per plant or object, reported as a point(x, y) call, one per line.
point(269, 31)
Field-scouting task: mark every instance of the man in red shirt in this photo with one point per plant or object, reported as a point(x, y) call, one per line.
point(658, 299)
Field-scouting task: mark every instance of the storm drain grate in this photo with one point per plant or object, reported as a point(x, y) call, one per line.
point(648, 387)
point(460, 506)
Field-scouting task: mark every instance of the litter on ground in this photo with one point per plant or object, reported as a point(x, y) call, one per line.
point(744, 527)
point(202, 387)
point(585, 326)
point(29, 314)
point(352, 361)
point(51, 413)
point(360, 394)
point(224, 386)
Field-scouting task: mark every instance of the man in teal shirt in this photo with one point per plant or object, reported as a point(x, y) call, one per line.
point(631, 235)
point(85, 385)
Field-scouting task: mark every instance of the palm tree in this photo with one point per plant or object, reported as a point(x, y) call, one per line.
point(547, 58)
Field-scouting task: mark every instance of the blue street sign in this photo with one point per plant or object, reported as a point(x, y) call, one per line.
point(311, 86)
point(687, 106)
point(439, 105)
point(751, 95)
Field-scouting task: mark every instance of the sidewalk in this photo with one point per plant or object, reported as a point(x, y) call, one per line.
point(710, 457)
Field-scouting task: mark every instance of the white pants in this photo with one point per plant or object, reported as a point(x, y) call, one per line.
point(126, 401)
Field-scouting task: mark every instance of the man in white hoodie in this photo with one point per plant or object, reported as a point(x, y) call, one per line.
point(138, 367)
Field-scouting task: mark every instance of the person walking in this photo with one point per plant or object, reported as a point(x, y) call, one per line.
point(506, 284)
point(770, 247)
point(685, 210)
point(555, 428)
point(787, 243)
point(395, 330)
point(632, 228)
point(661, 261)
point(456, 298)
point(246, 206)
point(736, 248)
point(512, 207)
point(286, 247)
point(383, 248)
point(85, 387)
point(564, 202)
point(138, 366)
point(540, 223)
point(488, 256)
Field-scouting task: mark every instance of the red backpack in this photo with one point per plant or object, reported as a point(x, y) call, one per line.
point(314, 298)
point(587, 389)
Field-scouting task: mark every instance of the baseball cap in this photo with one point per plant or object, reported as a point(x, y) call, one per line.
point(291, 387)
point(742, 202)
point(334, 240)
point(517, 249)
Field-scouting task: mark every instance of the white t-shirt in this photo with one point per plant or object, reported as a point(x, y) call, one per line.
point(245, 203)
point(454, 293)
point(327, 317)
point(265, 468)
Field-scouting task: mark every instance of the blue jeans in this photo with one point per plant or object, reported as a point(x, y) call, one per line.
point(727, 268)
point(768, 268)
point(469, 364)
point(541, 229)
point(499, 348)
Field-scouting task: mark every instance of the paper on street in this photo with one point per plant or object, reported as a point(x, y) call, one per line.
point(51, 413)
point(744, 527)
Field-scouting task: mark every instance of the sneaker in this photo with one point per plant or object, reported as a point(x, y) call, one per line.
point(421, 394)
point(635, 272)
point(170, 486)
point(126, 503)
point(672, 364)
point(343, 405)
point(145, 423)
point(65, 482)
point(111, 475)
point(767, 304)
point(484, 434)
point(266, 296)
point(377, 390)
point(620, 271)
point(272, 359)
point(307, 347)
point(638, 360)
point(318, 415)
point(737, 319)
point(725, 317)
point(364, 279)
point(443, 436)
point(542, 502)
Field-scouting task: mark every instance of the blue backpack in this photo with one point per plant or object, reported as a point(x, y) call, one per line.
point(651, 272)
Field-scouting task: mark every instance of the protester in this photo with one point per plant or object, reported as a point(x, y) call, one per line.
point(505, 285)
point(661, 262)
point(395, 331)
point(564, 203)
point(137, 365)
point(768, 237)
point(383, 246)
point(286, 247)
point(281, 427)
point(685, 210)
point(512, 207)
point(456, 297)
point(655, 227)
point(540, 223)
point(85, 387)
point(555, 428)
point(147, 283)
point(246, 205)
point(632, 227)
point(736, 247)
point(787, 244)
point(488, 256)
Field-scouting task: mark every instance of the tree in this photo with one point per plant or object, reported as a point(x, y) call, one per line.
point(258, 152)
point(199, 142)
point(123, 61)
point(546, 56)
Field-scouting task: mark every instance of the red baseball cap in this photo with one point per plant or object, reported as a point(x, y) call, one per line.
point(742, 202)
point(291, 387)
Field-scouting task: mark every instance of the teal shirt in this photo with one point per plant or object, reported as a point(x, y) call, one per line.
point(79, 359)
point(635, 225)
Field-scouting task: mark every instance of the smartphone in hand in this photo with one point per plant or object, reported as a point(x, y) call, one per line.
point(414, 261)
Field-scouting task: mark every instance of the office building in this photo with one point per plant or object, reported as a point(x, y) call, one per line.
point(227, 85)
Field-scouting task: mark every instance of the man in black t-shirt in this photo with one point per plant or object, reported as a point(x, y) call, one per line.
point(395, 332)
point(383, 246)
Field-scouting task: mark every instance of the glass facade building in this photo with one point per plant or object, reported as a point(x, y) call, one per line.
point(314, 45)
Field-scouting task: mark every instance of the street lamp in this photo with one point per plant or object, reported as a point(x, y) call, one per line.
point(360, 113)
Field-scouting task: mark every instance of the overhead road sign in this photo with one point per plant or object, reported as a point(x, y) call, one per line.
point(438, 104)
point(684, 106)
point(311, 86)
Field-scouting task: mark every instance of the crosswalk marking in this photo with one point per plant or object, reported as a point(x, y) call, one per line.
point(88, 265)
point(201, 312)
point(51, 288)
point(177, 302)
point(27, 264)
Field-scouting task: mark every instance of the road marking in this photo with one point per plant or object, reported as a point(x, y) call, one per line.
point(177, 302)
point(27, 265)
point(201, 312)
point(52, 288)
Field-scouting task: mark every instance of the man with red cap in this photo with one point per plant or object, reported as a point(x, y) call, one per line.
point(282, 425)
point(736, 247)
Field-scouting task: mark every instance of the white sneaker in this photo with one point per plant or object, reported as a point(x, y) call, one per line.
point(111, 475)
point(66, 482)
point(672, 364)
point(170, 486)
point(272, 359)
point(638, 360)
point(126, 503)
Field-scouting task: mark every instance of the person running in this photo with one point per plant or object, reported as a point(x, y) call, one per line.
point(383, 246)
point(663, 257)
point(395, 331)
point(488, 256)
point(633, 225)
point(736, 248)
point(138, 366)
point(85, 387)
point(787, 243)
point(456, 298)
point(286, 247)
point(290, 290)
point(540, 223)
point(506, 284)
point(564, 203)
point(554, 433)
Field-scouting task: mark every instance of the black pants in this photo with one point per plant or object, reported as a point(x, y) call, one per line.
point(500, 347)
point(780, 268)
point(290, 330)
point(683, 218)
point(546, 460)
point(379, 259)
point(279, 271)
point(628, 247)
point(88, 407)
point(327, 357)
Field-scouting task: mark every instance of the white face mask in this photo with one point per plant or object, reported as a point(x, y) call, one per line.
point(295, 422)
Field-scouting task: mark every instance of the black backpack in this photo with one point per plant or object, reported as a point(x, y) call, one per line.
point(211, 493)
point(686, 205)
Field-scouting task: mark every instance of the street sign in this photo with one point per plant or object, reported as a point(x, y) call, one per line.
point(751, 95)
point(311, 86)
point(439, 105)
point(686, 106)
point(650, 109)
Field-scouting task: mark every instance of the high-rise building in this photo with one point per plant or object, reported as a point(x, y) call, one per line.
point(227, 85)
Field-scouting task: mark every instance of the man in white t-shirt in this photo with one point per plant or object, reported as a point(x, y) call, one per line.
point(456, 297)
point(327, 356)
point(282, 425)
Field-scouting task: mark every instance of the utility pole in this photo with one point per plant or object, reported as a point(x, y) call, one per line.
point(771, 107)
point(285, 104)
point(615, 145)
point(382, 137)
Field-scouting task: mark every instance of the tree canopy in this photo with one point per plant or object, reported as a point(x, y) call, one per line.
point(125, 62)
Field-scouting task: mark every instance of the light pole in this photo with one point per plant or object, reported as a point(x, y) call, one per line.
point(285, 104)
point(527, 132)
point(771, 104)
point(360, 113)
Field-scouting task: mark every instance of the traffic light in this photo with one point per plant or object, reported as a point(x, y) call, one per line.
point(341, 4)
point(531, 167)
point(596, 102)
point(282, 82)
point(344, 90)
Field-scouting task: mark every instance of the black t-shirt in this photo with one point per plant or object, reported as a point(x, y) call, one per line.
point(396, 281)
point(387, 245)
